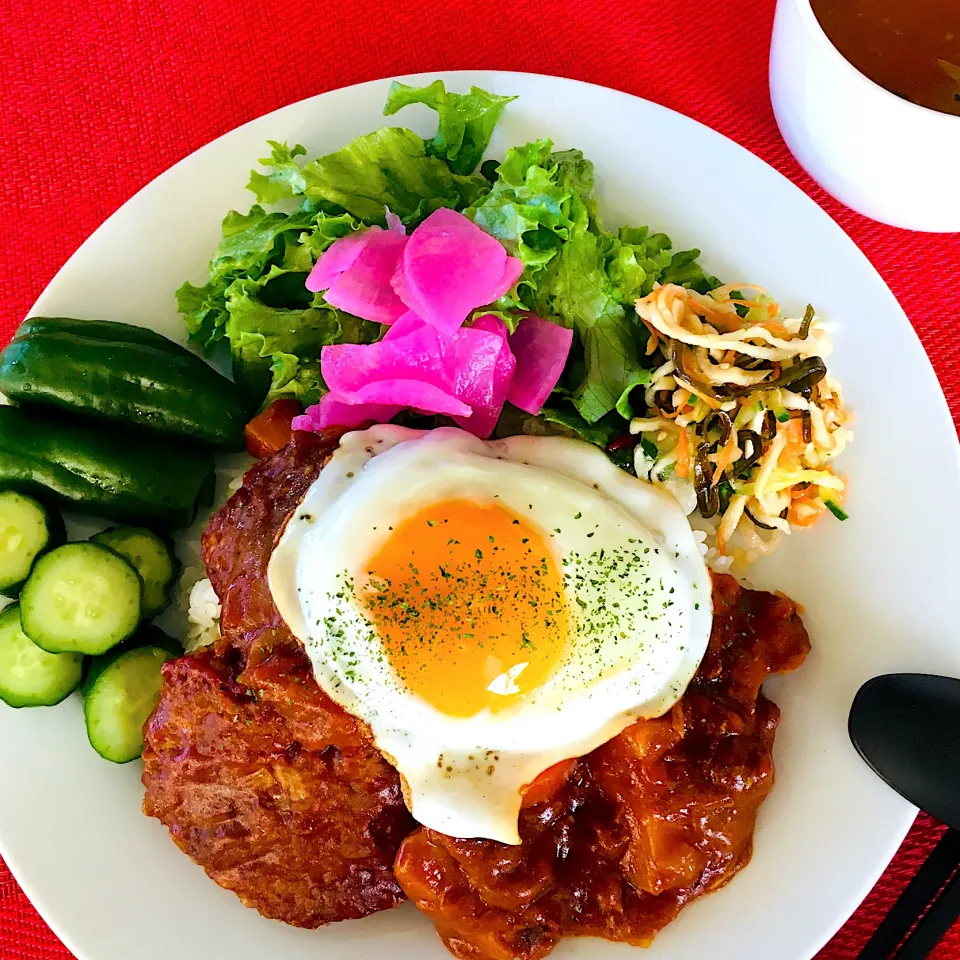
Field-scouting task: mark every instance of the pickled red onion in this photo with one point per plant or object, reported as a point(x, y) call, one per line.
point(541, 349)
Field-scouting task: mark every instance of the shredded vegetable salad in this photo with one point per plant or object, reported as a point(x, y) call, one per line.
point(742, 416)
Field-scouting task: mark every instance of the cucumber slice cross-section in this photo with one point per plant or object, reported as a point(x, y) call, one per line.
point(29, 676)
point(80, 598)
point(119, 694)
point(27, 529)
point(152, 558)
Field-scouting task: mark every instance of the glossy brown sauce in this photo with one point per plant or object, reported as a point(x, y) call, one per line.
point(655, 818)
point(909, 47)
point(284, 799)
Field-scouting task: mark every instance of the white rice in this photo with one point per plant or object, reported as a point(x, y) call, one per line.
point(236, 482)
point(203, 611)
point(198, 609)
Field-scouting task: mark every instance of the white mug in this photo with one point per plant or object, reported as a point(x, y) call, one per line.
point(883, 156)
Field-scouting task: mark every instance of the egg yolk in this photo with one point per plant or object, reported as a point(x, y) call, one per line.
point(469, 605)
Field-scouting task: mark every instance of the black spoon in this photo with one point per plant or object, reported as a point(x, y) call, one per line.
point(906, 726)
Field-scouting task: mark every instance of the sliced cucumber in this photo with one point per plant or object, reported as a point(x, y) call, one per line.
point(153, 559)
point(119, 695)
point(80, 598)
point(836, 509)
point(27, 528)
point(29, 676)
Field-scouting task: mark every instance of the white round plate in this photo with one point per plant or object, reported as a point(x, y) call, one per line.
point(878, 589)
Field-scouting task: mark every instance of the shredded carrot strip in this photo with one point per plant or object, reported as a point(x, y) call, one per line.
point(683, 455)
point(776, 328)
point(793, 431)
point(726, 323)
point(805, 511)
point(725, 458)
point(713, 311)
point(721, 545)
point(728, 288)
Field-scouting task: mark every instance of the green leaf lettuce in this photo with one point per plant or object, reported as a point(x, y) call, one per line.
point(540, 205)
point(542, 208)
point(465, 120)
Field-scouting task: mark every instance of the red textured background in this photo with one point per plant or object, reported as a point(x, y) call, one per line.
point(100, 96)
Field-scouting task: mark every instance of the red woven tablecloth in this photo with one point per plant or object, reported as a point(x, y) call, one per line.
point(100, 96)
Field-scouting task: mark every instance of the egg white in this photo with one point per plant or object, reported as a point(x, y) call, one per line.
point(465, 776)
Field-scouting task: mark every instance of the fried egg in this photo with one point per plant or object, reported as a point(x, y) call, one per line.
point(489, 608)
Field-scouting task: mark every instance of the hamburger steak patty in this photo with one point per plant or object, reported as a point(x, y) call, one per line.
point(283, 797)
point(239, 541)
point(261, 778)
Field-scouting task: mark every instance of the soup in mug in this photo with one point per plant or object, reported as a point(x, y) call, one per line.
point(909, 47)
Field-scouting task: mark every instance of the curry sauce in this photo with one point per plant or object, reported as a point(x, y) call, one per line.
point(909, 47)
